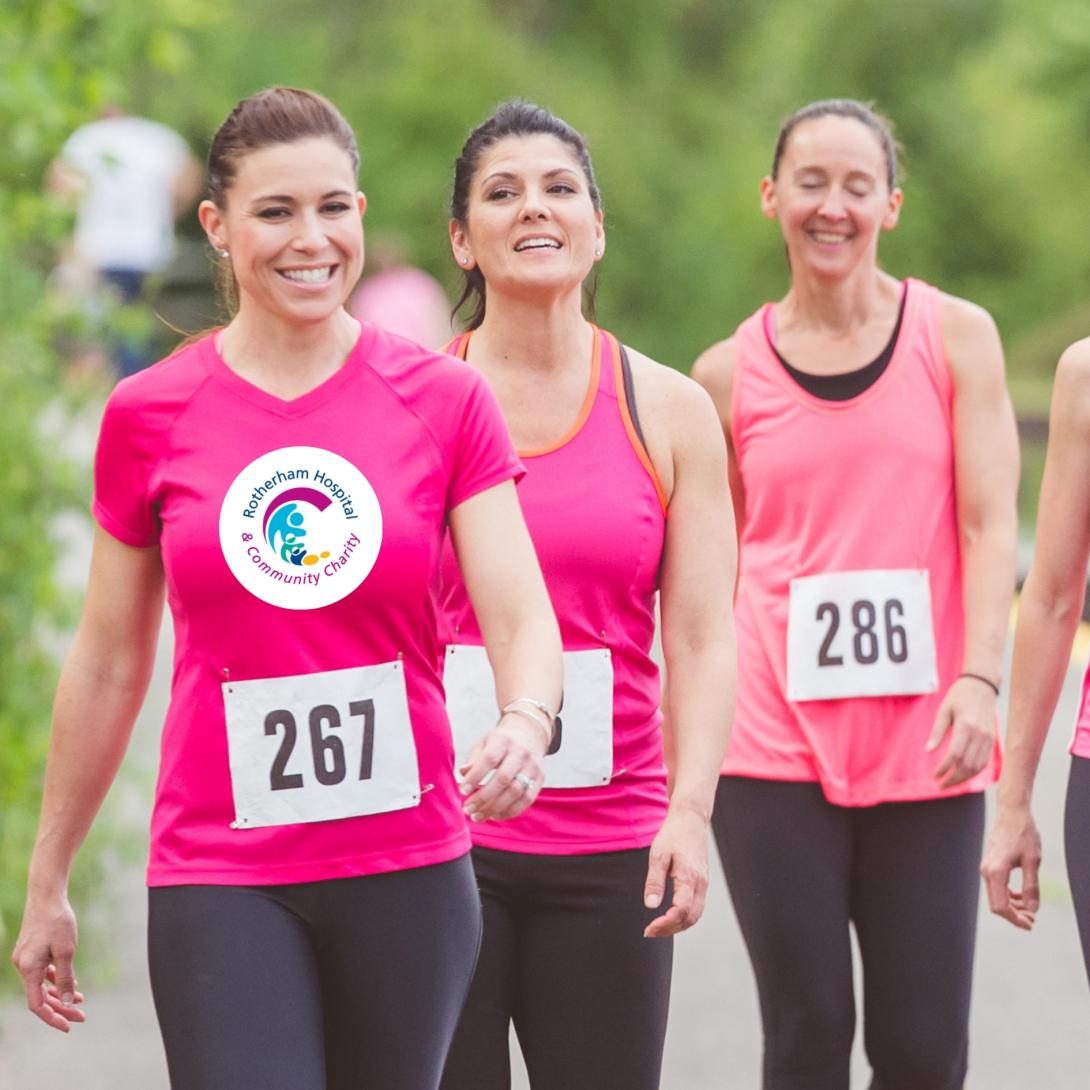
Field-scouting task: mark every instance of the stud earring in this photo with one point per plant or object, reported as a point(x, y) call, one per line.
point(597, 253)
point(223, 253)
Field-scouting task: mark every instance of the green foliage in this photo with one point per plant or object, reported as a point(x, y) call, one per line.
point(62, 60)
point(681, 103)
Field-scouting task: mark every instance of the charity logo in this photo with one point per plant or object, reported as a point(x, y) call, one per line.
point(300, 527)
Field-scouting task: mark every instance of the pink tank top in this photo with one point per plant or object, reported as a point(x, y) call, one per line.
point(1080, 744)
point(596, 513)
point(863, 486)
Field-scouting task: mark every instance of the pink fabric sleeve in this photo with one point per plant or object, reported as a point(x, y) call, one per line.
point(482, 452)
point(125, 460)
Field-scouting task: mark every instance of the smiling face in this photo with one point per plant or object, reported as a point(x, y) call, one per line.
point(531, 226)
point(831, 196)
point(292, 225)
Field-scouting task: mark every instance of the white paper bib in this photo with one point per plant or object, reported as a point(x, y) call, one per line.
point(317, 747)
point(582, 751)
point(860, 633)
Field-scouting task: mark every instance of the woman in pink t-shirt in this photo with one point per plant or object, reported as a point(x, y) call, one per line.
point(313, 920)
point(1049, 611)
point(874, 462)
point(626, 498)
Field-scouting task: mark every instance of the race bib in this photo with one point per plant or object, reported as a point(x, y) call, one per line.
point(860, 633)
point(581, 754)
point(317, 747)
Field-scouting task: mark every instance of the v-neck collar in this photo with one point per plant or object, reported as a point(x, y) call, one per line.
point(296, 406)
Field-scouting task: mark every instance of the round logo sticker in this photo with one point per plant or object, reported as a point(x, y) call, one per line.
point(300, 527)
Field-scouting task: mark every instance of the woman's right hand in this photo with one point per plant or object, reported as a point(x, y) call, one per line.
point(107, 669)
point(43, 955)
point(503, 772)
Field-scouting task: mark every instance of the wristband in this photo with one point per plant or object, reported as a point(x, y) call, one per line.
point(980, 677)
point(527, 714)
point(543, 708)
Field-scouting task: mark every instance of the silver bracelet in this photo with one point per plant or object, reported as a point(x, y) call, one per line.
point(527, 714)
point(541, 707)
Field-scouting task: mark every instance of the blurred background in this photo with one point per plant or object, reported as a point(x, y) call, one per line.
point(680, 101)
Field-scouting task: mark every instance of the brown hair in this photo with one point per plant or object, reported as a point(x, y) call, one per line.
point(850, 108)
point(512, 118)
point(278, 115)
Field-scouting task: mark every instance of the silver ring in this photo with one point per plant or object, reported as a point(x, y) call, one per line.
point(525, 780)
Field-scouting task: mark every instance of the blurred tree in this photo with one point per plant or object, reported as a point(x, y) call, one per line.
point(681, 104)
point(62, 60)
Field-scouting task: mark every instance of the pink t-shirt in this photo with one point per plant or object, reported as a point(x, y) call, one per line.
point(865, 485)
point(306, 736)
point(596, 514)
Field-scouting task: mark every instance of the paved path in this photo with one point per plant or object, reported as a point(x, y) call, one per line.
point(1031, 1008)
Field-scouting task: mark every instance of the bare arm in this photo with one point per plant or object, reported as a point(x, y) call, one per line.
point(714, 370)
point(696, 590)
point(65, 182)
point(520, 633)
point(986, 478)
point(1048, 614)
point(101, 688)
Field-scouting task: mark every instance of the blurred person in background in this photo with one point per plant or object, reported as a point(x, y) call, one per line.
point(399, 297)
point(129, 178)
point(874, 463)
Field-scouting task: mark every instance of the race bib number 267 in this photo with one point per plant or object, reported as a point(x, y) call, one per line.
point(318, 747)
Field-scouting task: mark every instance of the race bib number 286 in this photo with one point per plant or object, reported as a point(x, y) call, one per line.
point(860, 633)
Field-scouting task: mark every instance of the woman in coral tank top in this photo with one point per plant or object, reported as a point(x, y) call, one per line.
point(874, 462)
point(626, 498)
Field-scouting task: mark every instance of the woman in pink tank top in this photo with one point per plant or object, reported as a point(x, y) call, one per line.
point(626, 497)
point(1049, 611)
point(873, 463)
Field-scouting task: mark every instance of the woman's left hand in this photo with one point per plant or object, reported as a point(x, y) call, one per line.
point(680, 852)
point(967, 713)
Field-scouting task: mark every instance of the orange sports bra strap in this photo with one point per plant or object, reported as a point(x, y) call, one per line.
point(457, 347)
point(626, 403)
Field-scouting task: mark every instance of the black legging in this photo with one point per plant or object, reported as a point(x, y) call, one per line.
point(565, 959)
point(905, 874)
point(349, 984)
point(1077, 848)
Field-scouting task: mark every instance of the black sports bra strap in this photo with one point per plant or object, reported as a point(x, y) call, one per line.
point(630, 395)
